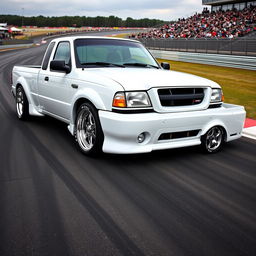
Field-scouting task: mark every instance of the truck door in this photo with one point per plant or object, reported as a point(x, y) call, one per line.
point(54, 88)
point(34, 88)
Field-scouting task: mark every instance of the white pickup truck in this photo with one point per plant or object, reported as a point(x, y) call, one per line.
point(116, 98)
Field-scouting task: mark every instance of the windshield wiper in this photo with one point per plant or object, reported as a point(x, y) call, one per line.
point(137, 64)
point(99, 63)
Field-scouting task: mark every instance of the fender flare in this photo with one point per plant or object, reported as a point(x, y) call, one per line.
point(32, 109)
point(22, 82)
point(216, 122)
point(86, 95)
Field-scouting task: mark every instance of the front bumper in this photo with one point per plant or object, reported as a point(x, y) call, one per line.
point(121, 130)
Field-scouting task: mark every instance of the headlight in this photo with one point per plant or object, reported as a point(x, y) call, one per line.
point(216, 96)
point(137, 99)
point(131, 100)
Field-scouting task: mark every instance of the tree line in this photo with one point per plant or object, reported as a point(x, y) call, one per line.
point(78, 21)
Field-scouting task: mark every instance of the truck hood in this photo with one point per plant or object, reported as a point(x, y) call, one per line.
point(146, 78)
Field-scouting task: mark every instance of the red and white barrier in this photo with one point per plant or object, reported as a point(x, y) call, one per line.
point(249, 128)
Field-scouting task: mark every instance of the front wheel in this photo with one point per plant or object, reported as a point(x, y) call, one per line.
point(88, 132)
point(213, 140)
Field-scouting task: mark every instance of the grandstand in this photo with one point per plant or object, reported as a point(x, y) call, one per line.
point(229, 27)
point(224, 22)
point(224, 5)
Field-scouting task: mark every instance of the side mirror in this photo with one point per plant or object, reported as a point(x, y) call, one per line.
point(165, 65)
point(59, 65)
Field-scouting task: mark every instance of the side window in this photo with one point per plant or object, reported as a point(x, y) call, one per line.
point(47, 56)
point(63, 52)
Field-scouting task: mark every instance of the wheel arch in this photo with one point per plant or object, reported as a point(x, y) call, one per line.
point(86, 96)
point(76, 106)
point(78, 103)
point(218, 124)
point(21, 82)
point(224, 133)
point(18, 85)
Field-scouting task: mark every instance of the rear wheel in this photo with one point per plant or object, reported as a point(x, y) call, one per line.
point(213, 140)
point(22, 106)
point(88, 132)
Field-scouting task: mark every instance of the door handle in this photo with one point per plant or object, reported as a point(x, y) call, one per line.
point(75, 86)
point(46, 78)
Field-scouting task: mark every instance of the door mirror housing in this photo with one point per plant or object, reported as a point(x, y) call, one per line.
point(165, 65)
point(60, 65)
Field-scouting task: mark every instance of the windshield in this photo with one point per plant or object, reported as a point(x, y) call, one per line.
point(107, 52)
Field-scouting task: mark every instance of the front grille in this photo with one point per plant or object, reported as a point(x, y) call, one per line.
point(178, 135)
point(173, 97)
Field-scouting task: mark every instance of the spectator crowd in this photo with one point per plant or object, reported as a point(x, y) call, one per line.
point(219, 24)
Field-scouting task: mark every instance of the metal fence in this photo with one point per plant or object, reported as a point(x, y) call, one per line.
point(239, 46)
point(234, 61)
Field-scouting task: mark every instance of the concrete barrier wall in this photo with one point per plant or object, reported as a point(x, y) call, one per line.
point(14, 46)
point(16, 41)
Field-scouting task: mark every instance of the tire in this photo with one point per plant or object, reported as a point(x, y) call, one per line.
point(88, 132)
point(213, 140)
point(22, 106)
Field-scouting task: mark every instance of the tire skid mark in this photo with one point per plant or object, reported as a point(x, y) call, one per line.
point(114, 233)
point(226, 176)
point(216, 200)
point(147, 207)
point(184, 211)
point(246, 216)
point(51, 222)
point(184, 183)
point(233, 169)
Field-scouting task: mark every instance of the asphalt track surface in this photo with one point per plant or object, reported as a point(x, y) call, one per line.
point(56, 201)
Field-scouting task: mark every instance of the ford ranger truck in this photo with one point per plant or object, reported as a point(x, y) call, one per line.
point(116, 98)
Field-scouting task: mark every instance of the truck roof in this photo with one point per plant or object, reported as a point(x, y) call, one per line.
point(92, 37)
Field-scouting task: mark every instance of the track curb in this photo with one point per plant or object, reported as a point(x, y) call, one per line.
point(249, 130)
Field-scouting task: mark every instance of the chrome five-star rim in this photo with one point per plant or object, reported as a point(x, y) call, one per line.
point(86, 129)
point(214, 138)
point(20, 102)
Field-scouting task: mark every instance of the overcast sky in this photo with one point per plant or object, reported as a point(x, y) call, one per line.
point(160, 9)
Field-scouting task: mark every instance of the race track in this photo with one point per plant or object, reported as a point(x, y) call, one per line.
point(56, 201)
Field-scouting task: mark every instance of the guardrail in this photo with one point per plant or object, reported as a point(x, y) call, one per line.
point(2, 47)
point(239, 46)
point(244, 62)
